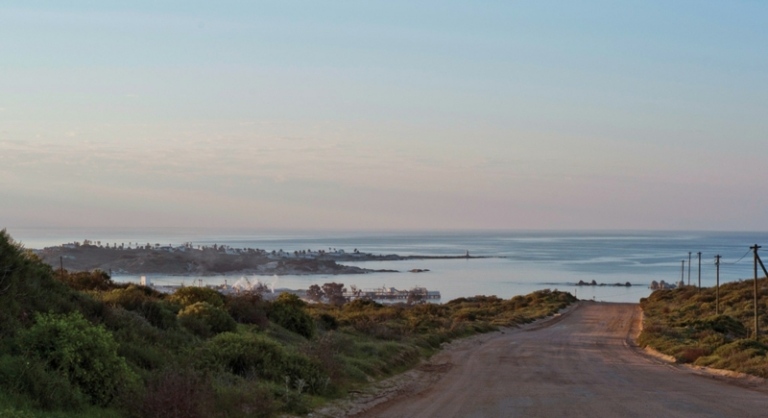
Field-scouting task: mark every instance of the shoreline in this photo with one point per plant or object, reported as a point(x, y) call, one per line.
point(187, 261)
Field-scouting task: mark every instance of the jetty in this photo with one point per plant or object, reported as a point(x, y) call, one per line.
point(392, 294)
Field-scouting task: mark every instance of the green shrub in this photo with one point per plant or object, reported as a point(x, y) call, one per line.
point(358, 305)
point(130, 298)
point(190, 295)
point(29, 378)
point(248, 308)
point(288, 312)
point(146, 302)
point(206, 320)
point(249, 354)
point(139, 342)
point(84, 354)
point(87, 280)
point(159, 313)
point(328, 321)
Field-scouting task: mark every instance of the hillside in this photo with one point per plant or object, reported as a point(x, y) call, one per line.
point(77, 344)
point(683, 323)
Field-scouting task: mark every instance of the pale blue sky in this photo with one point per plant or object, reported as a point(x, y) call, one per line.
point(385, 115)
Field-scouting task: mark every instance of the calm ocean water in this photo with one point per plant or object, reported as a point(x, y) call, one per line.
point(520, 261)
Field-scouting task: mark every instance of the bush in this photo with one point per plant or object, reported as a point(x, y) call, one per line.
point(186, 296)
point(159, 313)
point(248, 308)
point(144, 301)
point(29, 378)
point(139, 341)
point(87, 280)
point(360, 305)
point(84, 354)
point(206, 320)
point(249, 354)
point(288, 312)
point(328, 321)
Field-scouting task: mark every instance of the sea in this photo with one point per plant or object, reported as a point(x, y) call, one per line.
point(513, 262)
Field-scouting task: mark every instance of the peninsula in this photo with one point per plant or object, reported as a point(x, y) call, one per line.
point(189, 259)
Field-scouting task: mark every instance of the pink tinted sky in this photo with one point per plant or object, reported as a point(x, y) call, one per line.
point(442, 115)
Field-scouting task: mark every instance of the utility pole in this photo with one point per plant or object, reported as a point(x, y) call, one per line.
point(754, 249)
point(61, 267)
point(699, 253)
point(717, 287)
point(689, 268)
point(682, 272)
point(758, 261)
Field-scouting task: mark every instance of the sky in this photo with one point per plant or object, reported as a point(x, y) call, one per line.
point(385, 115)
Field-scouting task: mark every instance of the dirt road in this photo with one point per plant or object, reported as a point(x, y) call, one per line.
point(581, 364)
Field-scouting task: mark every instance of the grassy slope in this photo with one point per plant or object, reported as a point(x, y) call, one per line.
point(198, 353)
point(682, 323)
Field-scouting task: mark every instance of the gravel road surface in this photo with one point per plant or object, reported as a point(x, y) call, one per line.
point(580, 364)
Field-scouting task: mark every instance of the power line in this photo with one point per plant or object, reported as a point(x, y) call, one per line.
point(742, 257)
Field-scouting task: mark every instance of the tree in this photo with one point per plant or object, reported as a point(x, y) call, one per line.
point(334, 292)
point(315, 293)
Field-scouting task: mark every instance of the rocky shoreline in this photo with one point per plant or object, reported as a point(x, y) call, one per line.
point(209, 261)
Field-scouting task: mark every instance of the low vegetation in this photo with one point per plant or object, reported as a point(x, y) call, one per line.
point(77, 344)
point(683, 323)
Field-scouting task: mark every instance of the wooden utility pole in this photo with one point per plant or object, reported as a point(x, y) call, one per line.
point(682, 272)
point(758, 261)
point(61, 268)
point(717, 287)
point(689, 268)
point(699, 253)
point(757, 329)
